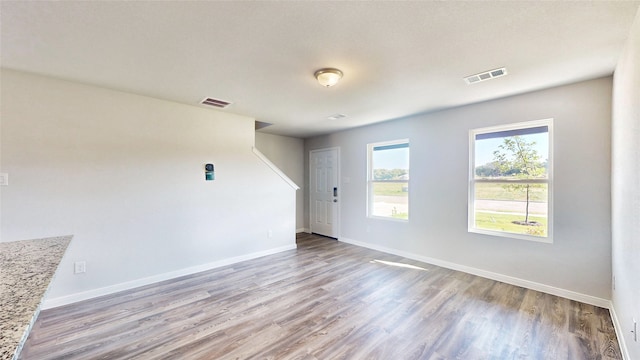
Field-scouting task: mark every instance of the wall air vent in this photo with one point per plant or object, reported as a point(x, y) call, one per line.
point(487, 75)
point(216, 103)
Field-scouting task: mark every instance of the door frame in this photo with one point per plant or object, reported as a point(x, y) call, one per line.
point(338, 206)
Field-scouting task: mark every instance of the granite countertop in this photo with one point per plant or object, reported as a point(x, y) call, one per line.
point(26, 269)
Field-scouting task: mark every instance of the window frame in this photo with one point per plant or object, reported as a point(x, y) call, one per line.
point(371, 181)
point(549, 181)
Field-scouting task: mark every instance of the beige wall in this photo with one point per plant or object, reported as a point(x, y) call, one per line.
point(124, 174)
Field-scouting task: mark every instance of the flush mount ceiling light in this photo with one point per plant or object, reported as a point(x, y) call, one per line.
point(328, 76)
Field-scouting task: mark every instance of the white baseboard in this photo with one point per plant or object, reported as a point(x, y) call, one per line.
point(303, 230)
point(572, 295)
point(618, 327)
point(90, 294)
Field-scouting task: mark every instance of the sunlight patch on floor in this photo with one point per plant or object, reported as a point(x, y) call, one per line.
point(392, 263)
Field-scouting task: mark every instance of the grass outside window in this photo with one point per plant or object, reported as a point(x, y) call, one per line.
point(510, 180)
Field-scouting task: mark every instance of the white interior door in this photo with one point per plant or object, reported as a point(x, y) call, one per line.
point(323, 183)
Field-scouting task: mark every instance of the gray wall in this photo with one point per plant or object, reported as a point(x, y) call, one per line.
point(626, 191)
point(579, 260)
point(124, 174)
point(288, 154)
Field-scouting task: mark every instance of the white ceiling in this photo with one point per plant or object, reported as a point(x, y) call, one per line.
point(398, 58)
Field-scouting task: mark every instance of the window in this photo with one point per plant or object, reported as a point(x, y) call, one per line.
point(388, 180)
point(510, 181)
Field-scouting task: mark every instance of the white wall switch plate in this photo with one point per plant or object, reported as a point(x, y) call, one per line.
point(4, 179)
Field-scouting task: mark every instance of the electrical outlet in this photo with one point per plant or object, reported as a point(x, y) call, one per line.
point(80, 267)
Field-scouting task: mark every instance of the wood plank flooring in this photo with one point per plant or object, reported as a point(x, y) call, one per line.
point(325, 300)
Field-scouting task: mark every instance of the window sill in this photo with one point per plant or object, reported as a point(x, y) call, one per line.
point(387, 218)
point(540, 239)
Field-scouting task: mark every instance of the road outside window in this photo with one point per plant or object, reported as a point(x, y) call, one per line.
point(510, 181)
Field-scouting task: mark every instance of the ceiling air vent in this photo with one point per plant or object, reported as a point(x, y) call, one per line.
point(491, 74)
point(336, 116)
point(216, 103)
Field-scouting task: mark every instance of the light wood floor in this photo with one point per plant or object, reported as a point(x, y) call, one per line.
point(326, 300)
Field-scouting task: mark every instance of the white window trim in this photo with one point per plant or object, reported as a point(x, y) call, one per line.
point(471, 205)
point(370, 177)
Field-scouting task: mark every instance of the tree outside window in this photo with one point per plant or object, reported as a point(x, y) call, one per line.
point(510, 181)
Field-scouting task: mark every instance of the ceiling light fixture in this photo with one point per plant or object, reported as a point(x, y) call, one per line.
point(328, 76)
